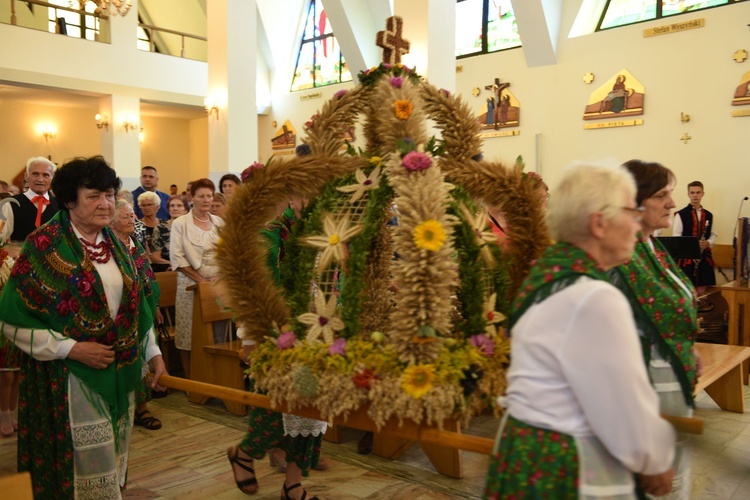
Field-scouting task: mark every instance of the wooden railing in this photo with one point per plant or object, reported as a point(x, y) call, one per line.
point(14, 17)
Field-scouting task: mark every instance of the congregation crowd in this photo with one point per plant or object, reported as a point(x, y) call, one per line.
point(602, 333)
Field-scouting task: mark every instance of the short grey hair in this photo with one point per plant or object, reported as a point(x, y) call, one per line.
point(585, 189)
point(149, 196)
point(119, 203)
point(39, 159)
point(124, 194)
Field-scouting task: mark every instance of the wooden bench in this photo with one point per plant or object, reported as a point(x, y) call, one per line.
point(722, 374)
point(210, 362)
point(17, 486)
point(168, 292)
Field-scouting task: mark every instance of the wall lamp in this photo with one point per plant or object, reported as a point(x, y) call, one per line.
point(48, 132)
point(212, 106)
point(131, 123)
point(102, 121)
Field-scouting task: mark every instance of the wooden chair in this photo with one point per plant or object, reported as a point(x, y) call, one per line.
point(213, 363)
point(168, 287)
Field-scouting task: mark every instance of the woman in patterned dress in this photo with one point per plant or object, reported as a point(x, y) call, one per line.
point(582, 417)
point(159, 242)
point(664, 308)
point(76, 306)
point(9, 365)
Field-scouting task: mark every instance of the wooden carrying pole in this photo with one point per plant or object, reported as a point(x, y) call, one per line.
point(359, 419)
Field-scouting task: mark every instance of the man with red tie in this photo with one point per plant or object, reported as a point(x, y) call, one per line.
point(35, 206)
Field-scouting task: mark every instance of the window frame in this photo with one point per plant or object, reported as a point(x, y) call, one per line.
point(485, 27)
point(659, 14)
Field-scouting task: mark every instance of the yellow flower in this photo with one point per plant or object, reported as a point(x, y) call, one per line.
point(491, 316)
point(429, 235)
point(483, 236)
point(375, 161)
point(324, 320)
point(332, 242)
point(417, 380)
point(404, 109)
point(364, 183)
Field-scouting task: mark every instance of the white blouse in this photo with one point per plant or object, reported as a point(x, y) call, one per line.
point(577, 368)
point(191, 246)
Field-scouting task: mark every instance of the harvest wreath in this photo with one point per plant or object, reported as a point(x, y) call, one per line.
point(405, 319)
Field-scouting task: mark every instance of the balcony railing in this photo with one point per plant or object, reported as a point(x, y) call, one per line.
point(63, 19)
point(190, 46)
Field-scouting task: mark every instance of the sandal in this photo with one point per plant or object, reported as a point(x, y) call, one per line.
point(275, 461)
point(285, 492)
point(147, 421)
point(236, 459)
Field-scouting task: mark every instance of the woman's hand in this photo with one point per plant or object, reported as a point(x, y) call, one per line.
point(159, 318)
point(156, 365)
point(92, 354)
point(658, 484)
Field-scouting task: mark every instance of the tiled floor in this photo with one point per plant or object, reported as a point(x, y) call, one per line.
point(186, 460)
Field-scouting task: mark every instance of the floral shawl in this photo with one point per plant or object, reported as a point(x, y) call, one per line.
point(561, 265)
point(54, 285)
point(666, 317)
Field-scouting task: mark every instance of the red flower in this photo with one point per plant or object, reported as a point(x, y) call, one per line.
point(42, 241)
point(363, 378)
point(62, 308)
point(21, 267)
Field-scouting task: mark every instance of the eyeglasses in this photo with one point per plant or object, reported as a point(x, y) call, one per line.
point(636, 212)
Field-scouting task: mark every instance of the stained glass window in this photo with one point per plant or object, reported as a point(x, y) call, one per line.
point(623, 12)
point(484, 26)
point(319, 61)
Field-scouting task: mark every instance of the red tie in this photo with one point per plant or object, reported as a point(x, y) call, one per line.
point(40, 202)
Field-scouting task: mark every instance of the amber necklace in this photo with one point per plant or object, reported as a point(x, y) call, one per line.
point(98, 252)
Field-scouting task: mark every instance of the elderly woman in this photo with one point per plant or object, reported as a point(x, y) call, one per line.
point(663, 303)
point(581, 415)
point(149, 203)
point(219, 205)
point(75, 304)
point(159, 242)
point(123, 225)
point(192, 250)
point(227, 185)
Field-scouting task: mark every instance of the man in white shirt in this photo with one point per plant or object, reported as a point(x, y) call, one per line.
point(35, 206)
point(694, 220)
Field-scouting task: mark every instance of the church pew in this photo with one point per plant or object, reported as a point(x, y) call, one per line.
point(168, 291)
point(213, 363)
point(722, 374)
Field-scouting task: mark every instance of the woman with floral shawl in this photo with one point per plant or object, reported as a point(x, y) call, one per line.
point(78, 308)
point(582, 417)
point(663, 303)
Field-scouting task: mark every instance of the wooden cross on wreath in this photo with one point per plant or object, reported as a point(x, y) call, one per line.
point(392, 41)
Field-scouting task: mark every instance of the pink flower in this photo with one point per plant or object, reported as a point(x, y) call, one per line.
point(249, 171)
point(483, 344)
point(286, 340)
point(339, 94)
point(337, 347)
point(42, 242)
point(396, 82)
point(415, 160)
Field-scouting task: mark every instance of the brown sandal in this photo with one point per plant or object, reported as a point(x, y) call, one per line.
point(236, 459)
point(147, 421)
point(285, 492)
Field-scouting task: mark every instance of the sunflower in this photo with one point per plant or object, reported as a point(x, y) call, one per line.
point(417, 380)
point(364, 183)
point(403, 109)
point(429, 235)
point(483, 236)
point(332, 242)
point(324, 320)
